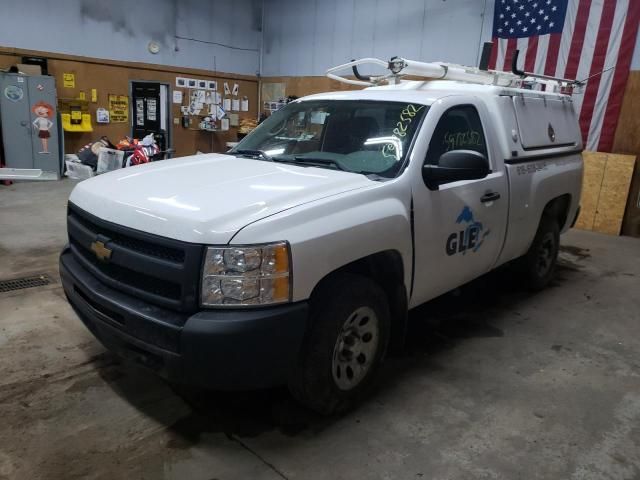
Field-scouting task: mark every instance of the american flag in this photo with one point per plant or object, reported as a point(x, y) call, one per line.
point(573, 39)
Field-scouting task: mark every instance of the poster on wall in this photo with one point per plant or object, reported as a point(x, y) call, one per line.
point(69, 80)
point(118, 108)
point(151, 109)
point(102, 115)
point(140, 112)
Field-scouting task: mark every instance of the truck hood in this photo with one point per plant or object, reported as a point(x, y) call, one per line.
point(206, 198)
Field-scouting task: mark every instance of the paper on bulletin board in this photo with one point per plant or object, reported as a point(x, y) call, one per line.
point(69, 80)
point(152, 109)
point(102, 115)
point(177, 96)
point(118, 108)
point(244, 105)
point(227, 104)
point(272, 92)
point(235, 105)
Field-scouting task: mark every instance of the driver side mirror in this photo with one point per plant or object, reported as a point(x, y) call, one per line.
point(454, 166)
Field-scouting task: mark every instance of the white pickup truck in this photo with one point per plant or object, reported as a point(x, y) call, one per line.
point(295, 257)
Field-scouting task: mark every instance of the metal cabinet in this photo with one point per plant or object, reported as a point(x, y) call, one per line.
point(31, 133)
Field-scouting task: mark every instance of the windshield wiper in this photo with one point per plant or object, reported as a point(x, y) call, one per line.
point(252, 153)
point(310, 160)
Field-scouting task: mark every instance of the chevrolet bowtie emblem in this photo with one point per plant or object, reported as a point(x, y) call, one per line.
point(102, 252)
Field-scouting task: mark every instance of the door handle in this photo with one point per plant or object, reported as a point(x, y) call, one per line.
point(489, 197)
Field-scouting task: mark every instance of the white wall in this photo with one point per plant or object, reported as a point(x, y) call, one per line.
point(122, 29)
point(305, 37)
point(302, 37)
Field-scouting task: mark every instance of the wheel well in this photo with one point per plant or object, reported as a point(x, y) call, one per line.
point(387, 270)
point(558, 208)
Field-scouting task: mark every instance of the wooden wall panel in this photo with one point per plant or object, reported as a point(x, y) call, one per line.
point(113, 78)
point(605, 190)
point(631, 222)
point(614, 193)
point(627, 138)
point(594, 165)
point(301, 86)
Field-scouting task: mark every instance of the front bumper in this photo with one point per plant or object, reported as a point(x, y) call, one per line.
point(220, 349)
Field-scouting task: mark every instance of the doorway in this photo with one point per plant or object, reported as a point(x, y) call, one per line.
point(151, 112)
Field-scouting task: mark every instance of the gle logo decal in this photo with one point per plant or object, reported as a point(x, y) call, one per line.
point(471, 238)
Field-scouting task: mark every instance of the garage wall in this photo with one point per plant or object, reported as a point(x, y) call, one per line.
point(112, 77)
point(301, 38)
point(306, 37)
point(122, 29)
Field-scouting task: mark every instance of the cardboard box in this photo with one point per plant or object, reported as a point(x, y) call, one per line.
point(30, 69)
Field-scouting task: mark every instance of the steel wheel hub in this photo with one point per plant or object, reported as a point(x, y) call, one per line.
point(544, 260)
point(355, 348)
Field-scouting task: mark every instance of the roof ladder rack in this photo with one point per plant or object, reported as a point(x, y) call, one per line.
point(400, 67)
point(523, 74)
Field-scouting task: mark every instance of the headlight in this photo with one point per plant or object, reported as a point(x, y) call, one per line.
point(251, 275)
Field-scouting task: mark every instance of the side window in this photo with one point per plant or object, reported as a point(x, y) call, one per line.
point(459, 128)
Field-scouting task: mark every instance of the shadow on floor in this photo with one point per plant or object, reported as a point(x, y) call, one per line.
point(479, 309)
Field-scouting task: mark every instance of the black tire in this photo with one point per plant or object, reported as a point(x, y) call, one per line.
point(539, 264)
point(342, 300)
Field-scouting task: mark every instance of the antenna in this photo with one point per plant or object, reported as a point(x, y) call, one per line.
point(596, 74)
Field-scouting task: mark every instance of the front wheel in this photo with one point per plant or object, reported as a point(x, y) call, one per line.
point(539, 264)
point(344, 346)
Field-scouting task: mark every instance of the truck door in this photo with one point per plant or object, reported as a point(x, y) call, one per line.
point(459, 227)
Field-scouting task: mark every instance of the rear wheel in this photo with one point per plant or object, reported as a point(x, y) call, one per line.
point(344, 346)
point(539, 264)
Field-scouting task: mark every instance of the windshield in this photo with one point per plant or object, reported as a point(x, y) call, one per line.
point(360, 136)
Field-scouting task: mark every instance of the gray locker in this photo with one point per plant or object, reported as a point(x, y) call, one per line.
point(29, 121)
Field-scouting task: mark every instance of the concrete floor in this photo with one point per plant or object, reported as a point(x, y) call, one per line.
point(495, 384)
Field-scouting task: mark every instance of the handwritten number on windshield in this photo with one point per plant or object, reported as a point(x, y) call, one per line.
point(406, 117)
